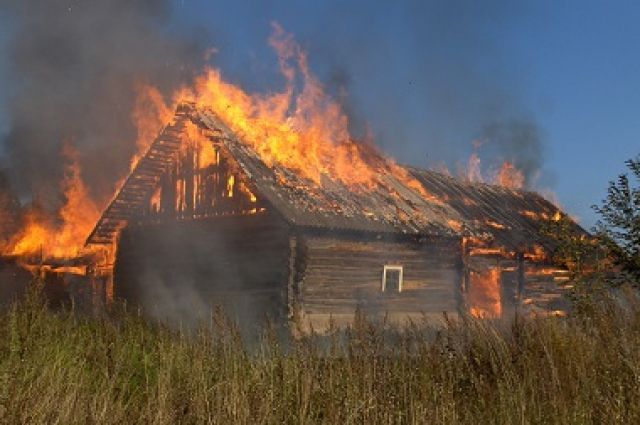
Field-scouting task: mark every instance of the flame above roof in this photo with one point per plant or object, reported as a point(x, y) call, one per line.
point(452, 209)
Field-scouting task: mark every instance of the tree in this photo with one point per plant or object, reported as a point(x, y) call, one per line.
point(619, 224)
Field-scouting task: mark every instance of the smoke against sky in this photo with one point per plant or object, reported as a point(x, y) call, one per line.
point(517, 140)
point(72, 67)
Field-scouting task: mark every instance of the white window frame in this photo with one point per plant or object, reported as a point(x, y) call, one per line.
point(395, 268)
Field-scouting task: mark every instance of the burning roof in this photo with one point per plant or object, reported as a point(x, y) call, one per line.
point(390, 205)
point(508, 218)
point(394, 200)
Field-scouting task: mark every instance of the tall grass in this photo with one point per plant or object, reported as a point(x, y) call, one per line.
point(61, 367)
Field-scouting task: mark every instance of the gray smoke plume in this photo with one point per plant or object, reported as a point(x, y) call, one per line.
point(514, 140)
point(73, 66)
point(9, 210)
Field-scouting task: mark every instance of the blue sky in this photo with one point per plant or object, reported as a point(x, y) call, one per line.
point(584, 69)
point(428, 76)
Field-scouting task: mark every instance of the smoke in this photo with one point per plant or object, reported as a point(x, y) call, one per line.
point(517, 141)
point(179, 277)
point(9, 211)
point(72, 68)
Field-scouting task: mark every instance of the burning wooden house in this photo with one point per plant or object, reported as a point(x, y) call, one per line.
point(204, 219)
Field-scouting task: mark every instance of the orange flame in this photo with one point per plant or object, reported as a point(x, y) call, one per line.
point(484, 293)
point(62, 238)
point(230, 185)
point(300, 128)
point(509, 176)
point(150, 114)
point(537, 253)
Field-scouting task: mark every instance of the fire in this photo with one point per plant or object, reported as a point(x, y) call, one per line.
point(155, 200)
point(230, 185)
point(501, 251)
point(300, 127)
point(547, 271)
point(62, 238)
point(150, 114)
point(193, 137)
point(509, 176)
point(484, 293)
point(494, 224)
point(538, 253)
point(532, 214)
point(31, 239)
point(455, 225)
point(541, 216)
point(208, 155)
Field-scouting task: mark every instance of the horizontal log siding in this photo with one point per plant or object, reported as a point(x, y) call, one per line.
point(183, 269)
point(344, 274)
point(545, 289)
point(509, 283)
point(526, 287)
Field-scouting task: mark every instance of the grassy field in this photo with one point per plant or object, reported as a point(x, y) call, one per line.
point(61, 367)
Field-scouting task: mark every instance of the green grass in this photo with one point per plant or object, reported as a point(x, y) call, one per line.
point(61, 367)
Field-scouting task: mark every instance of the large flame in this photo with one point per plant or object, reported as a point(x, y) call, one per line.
point(300, 127)
point(63, 237)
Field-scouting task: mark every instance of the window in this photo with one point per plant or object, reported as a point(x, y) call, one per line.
point(392, 279)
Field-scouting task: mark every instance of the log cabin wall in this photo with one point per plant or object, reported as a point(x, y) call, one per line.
point(544, 289)
point(491, 286)
point(180, 270)
point(337, 275)
point(524, 287)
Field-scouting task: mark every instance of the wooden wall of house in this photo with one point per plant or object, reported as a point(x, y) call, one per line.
point(544, 290)
point(181, 270)
point(526, 287)
point(338, 275)
point(501, 301)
